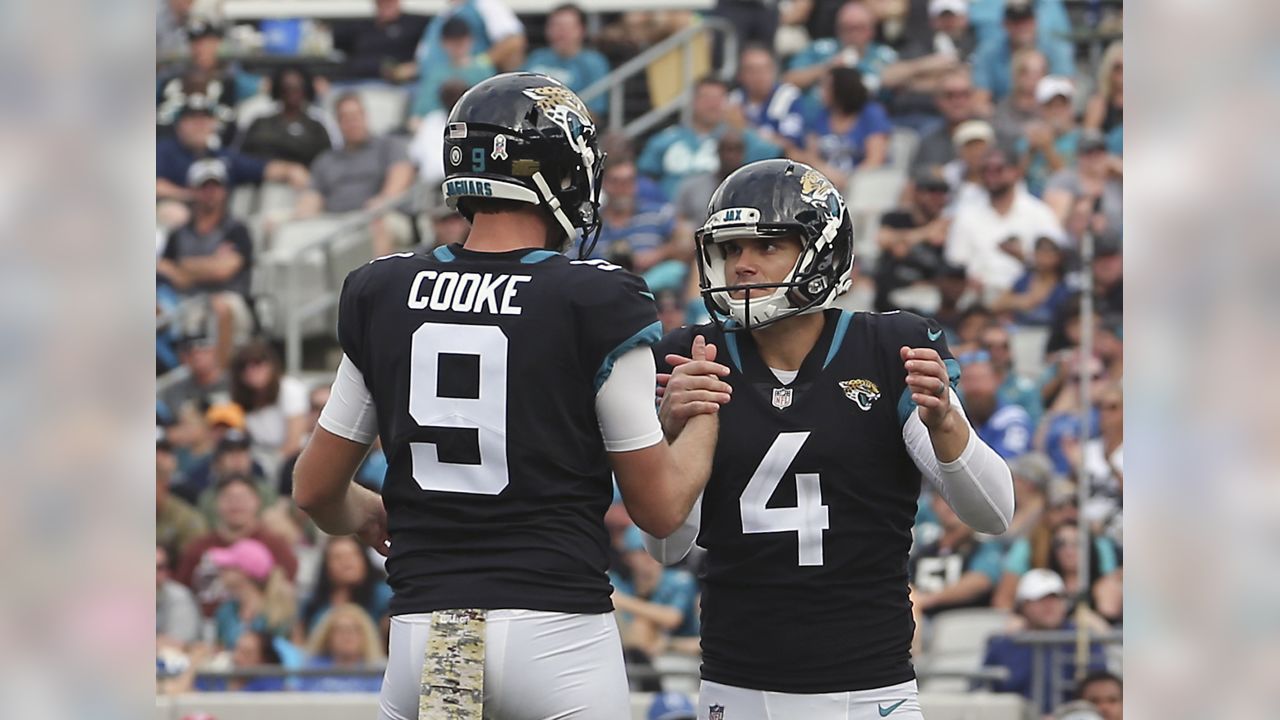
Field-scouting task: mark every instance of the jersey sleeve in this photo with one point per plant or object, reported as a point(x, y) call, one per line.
point(352, 316)
point(913, 331)
point(615, 312)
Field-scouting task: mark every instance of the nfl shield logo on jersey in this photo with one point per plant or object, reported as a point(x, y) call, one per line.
point(717, 711)
point(782, 398)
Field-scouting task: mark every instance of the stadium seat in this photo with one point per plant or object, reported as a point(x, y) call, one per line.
point(902, 148)
point(875, 191)
point(956, 642)
point(679, 672)
point(244, 201)
point(1026, 345)
point(287, 277)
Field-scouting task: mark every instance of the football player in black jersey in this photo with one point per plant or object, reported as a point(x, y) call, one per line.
point(834, 416)
point(508, 383)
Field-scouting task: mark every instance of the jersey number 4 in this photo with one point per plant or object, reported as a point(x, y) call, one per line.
point(482, 408)
point(809, 516)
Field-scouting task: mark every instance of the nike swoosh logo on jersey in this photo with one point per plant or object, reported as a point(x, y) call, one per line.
point(934, 335)
point(884, 711)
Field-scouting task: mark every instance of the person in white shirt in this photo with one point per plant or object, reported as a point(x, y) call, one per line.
point(993, 240)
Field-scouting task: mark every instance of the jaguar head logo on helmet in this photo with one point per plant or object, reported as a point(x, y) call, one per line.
point(525, 137)
point(773, 199)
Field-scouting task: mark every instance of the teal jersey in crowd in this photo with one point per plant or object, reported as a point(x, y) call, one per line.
point(678, 152)
point(431, 53)
point(577, 72)
point(870, 64)
point(1038, 170)
point(676, 589)
point(427, 96)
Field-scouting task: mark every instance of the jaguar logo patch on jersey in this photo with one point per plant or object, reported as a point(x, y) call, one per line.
point(716, 712)
point(861, 391)
point(782, 398)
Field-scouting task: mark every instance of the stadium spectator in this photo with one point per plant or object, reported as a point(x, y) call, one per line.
point(639, 237)
point(211, 257)
point(1048, 144)
point(850, 132)
point(968, 336)
point(957, 570)
point(448, 227)
point(683, 150)
point(259, 597)
point(992, 62)
point(853, 46)
point(296, 133)
point(993, 239)
point(954, 100)
point(953, 287)
point(1108, 274)
point(1034, 548)
point(987, 18)
point(566, 59)
point(1020, 107)
point(367, 172)
point(347, 575)
point(1094, 180)
point(497, 31)
point(1105, 691)
point(1105, 110)
point(911, 239)
point(177, 522)
point(694, 193)
point(655, 603)
point(1037, 297)
point(619, 147)
point(760, 101)
point(177, 615)
point(970, 142)
point(203, 75)
point(1058, 550)
point(672, 706)
point(195, 138)
point(1102, 461)
point(1041, 605)
point(238, 508)
point(383, 47)
point(753, 21)
point(926, 61)
point(426, 151)
point(459, 63)
point(253, 649)
point(232, 457)
point(275, 404)
point(1014, 389)
point(1004, 426)
point(345, 640)
point(205, 383)
point(1032, 473)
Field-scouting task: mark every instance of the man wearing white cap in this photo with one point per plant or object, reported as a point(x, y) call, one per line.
point(1049, 142)
point(970, 141)
point(1041, 604)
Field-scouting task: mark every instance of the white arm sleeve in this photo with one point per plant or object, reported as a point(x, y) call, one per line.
point(977, 485)
point(675, 546)
point(350, 412)
point(624, 403)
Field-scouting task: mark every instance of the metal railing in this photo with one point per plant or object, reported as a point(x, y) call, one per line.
point(614, 83)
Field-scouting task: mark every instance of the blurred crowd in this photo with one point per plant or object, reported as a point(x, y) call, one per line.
point(978, 143)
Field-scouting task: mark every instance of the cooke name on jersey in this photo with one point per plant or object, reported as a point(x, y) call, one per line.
point(468, 292)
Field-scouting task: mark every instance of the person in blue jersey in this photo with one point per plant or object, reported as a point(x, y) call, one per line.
point(1003, 426)
point(827, 421)
point(993, 60)
point(850, 132)
point(683, 150)
point(566, 59)
point(853, 46)
point(497, 31)
point(639, 235)
point(760, 102)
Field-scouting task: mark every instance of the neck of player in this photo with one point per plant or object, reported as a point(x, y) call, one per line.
point(785, 344)
point(507, 231)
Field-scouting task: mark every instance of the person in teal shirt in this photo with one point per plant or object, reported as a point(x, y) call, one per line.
point(684, 150)
point(993, 60)
point(565, 59)
point(460, 63)
point(649, 584)
point(853, 46)
point(495, 29)
point(1051, 143)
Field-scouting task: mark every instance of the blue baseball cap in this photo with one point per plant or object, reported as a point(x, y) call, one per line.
point(672, 706)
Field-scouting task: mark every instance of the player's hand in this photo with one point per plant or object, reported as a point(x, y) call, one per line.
point(373, 532)
point(692, 388)
point(928, 382)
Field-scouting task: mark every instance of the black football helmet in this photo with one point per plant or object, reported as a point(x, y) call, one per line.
point(525, 137)
point(775, 198)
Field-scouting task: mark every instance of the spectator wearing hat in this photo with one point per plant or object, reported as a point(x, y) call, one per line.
point(911, 238)
point(205, 382)
point(382, 47)
point(231, 458)
point(850, 132)
point(656, 605)
point(259, 596)
point(495, 29)
point(928, 59)
point(971, 142)
point(566, 59)
point(1040, 604)
point(672, 706)
point(239, 505)
point(1048, 144)
point(177, 615)
point(177, 522)
point(211, 257)
point(992, 61)
point(1020, 108)
point(1038, 296)
point(298, 132)
point(460, 63)
point(1093, 185)
point(995, 239)
point(345, 639)
point(203, 75)
point(1004, 426)
point(1105, 691)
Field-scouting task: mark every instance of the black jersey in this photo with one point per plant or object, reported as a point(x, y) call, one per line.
point(808, 513)
point(484, 368)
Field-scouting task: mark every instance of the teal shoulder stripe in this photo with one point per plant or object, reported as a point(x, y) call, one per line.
point(906, 404)
point(443, 253)
point(537, 256)
point(842, 327)
point(650, 335)
point(731, 344)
